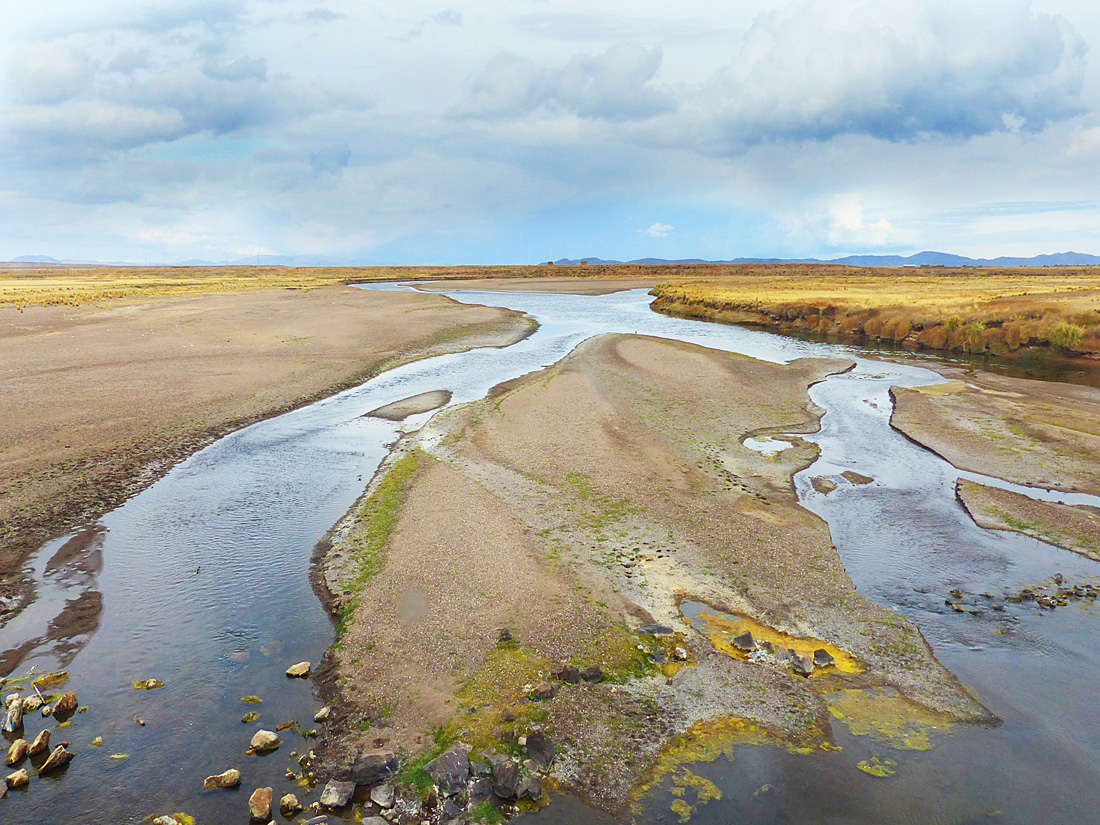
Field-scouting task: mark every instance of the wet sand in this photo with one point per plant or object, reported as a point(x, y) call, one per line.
point(100, 400)
point(574, 506)
point(1036, 433)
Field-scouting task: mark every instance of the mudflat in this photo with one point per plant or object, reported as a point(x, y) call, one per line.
point(100, 399)
point(549, 525)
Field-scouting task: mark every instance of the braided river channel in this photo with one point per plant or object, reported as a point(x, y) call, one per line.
point(204, 583)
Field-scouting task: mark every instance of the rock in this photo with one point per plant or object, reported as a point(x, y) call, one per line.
point(383, 795)
point(505, 779)
point(371, 820)
point(148, 684)
point(506, 715)
point(823, 658)
point(41, 744)
point(679, 654)
point(11, 699)
point(259, 804)
point(744, 641)
point(66, 704)
point(544, 693)
point(504, 635)
point(289, 806)
point(250, 717)
point(18, 779)
point(13, 719)
point(166, 820)
point(230, 779)
point(57, 760)
point(16, 753)
point(592, 673)
point(531, 788)
point(373, 767)
point(656, 629)
point(481, 790)
point(800, 663)
point(323, 820)
point(323, 714)
point(567, 673)
point(97, 741)
point(540, 749)
point(450, 770)
point(265, 740)
point(336, 794)
point(32, 703)
point(449, 811)
point(298, 671)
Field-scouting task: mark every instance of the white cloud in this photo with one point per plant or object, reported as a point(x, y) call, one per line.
point(658, 230)
point(847, 228)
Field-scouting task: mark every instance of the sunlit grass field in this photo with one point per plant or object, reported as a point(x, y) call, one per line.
point(973, 310)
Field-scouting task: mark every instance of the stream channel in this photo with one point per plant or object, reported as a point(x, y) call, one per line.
point(204, 585)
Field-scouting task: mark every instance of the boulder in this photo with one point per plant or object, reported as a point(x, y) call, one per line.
point(505, 779)
point(56, 760)
point(259, 804)
point(18, 779)
point(656, 629)
point(289, 806)
point(230, 779)
point(744, 641)
point(298, 671)
point(16, 753)
point(544, 693)
point(481, 790)
point(265, 740)
point(449, 811)
point(540, 749)
point(450, 770)
point(383, 795)
point(13, 719)
point(32, 703)
point(567, 673)
point(66, 704)
point(323, 714)
point(823, 658)
point(41, 744)
point(337, 794)
point(373, 767)
point(530, 788)
point(800, 663)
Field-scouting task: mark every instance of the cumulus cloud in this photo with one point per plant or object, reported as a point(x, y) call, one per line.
point(614, 86)
point(50, 73)
point(900, 71)
point(658, 230)
point(848, 228)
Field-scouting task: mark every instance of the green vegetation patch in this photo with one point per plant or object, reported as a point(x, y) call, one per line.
point(377, 516)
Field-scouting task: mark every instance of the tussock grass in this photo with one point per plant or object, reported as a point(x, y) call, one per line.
point(971, 310)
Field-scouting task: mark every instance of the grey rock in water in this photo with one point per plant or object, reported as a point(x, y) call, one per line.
point(229, 779)
point(259, 804)
point(337, 794)
point(13, 719)
point(323, 820)
point(540, 749)
point(265, 740)
point(18, 779)
point(823, 658)
point(450, 770)
point(289, 806)
point(298, 671)
point(656, 629)
point(374, 766)
point(531, 788)
point(56, 760)
point(166, 820)
point(505, 779)
point(383, 795)
point(323, 714)
point(41, 744)
point(68, 703)
point(744, 641)
point(16, 753)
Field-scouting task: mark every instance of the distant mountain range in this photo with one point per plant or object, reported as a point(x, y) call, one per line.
point(920, 259)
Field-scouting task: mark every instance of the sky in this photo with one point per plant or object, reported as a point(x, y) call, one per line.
point(518, 131)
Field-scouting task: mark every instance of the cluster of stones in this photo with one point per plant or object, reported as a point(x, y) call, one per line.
point(764, 652)
point(1062, 594)
point(38, 751)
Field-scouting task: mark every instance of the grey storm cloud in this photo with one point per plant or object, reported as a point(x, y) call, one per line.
point(898, 72)
point(613, 86)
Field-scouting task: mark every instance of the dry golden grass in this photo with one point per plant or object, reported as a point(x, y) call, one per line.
point(974, 310)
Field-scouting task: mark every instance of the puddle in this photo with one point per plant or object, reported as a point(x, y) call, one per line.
point(767, 445)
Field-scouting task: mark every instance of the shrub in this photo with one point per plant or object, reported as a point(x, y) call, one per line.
point(1066, 336)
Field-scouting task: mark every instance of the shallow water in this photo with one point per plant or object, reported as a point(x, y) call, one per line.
point(204, 585)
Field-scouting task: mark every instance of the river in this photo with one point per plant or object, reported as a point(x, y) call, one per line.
point(204, 583)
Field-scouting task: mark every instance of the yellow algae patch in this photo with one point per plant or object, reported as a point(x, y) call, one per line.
point(723, 628)
point(877, 767)
point(705, 791)
point(946, 388)
point(888, 717)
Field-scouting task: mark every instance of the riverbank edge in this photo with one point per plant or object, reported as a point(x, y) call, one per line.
point(157, 462)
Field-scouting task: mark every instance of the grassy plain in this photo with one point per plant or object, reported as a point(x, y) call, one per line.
point(961, 309)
